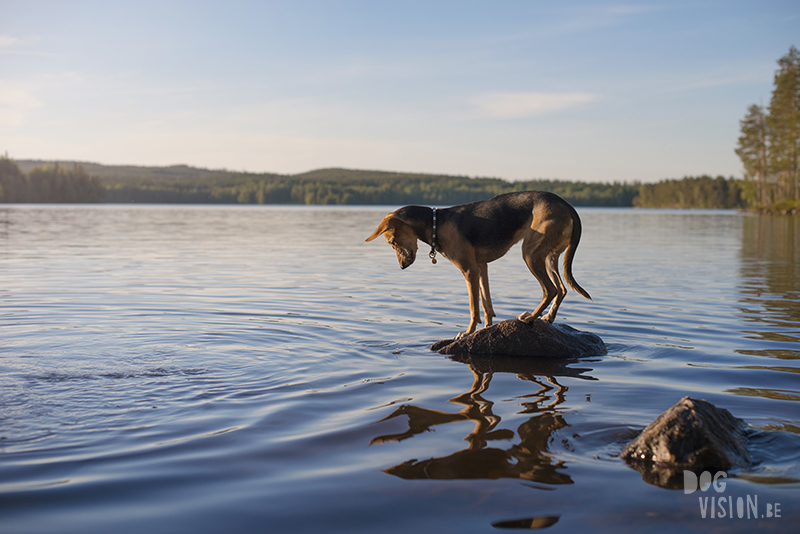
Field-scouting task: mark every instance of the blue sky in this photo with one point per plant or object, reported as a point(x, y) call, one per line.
point(594, 91)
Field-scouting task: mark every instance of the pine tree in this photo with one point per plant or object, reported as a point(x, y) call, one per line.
point(783, 126)
point(752, 150)
point(769, 145)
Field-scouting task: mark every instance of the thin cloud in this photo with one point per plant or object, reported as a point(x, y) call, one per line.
point(7, 40)
point(518, 105)
point(10, 46)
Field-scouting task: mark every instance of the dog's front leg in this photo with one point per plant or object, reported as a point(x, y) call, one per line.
point(486, 298)
point(472, 277)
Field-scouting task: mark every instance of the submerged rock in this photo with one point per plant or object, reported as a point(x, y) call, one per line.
point(693, 435)
point(516, 338)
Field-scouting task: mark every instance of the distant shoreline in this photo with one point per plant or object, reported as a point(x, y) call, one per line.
point(37, 181)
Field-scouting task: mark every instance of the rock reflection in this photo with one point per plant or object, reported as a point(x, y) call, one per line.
point(530, 459)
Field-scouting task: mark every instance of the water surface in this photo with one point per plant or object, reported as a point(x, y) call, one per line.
point(263, 369)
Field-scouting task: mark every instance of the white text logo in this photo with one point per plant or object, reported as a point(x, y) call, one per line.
point(721, 506)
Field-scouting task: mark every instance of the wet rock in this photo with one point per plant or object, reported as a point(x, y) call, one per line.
point(516, 338)
point(693, 435)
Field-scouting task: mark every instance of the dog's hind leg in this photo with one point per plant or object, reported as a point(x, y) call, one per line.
point(536, 260)
point(555, 277)
point(486, 298)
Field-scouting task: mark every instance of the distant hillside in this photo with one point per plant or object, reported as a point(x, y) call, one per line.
point(73, 181)
point(113, 174)
point(184, 184)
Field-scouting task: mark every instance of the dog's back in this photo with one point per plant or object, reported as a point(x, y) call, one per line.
point(501, 219)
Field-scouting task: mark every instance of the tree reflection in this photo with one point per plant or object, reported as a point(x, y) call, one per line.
point(529, 459)
point(770, 293)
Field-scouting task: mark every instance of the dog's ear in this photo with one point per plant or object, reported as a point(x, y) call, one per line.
point(388, 222)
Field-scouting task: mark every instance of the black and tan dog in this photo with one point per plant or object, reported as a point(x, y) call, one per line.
point(472, 235)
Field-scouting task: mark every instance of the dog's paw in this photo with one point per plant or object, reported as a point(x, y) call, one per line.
point(526, 317)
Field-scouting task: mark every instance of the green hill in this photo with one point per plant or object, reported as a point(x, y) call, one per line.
point(184, 184)
point(70, 181)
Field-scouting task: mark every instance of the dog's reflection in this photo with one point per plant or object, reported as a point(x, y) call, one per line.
point(530, 459)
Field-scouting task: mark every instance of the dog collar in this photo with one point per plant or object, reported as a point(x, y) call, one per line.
point(432, 253)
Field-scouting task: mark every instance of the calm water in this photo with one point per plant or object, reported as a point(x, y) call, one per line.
point(263, 369)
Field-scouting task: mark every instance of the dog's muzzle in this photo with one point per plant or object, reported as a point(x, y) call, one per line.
point(405, 261)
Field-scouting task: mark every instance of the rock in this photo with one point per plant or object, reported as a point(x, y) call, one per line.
point(516, 338)
point(693, 435)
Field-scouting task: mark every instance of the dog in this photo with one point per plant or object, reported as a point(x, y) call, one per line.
point(473, 235)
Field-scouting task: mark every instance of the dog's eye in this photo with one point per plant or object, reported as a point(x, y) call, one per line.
point(391, 242)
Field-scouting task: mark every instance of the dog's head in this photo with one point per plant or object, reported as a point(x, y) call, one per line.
point(401, 236)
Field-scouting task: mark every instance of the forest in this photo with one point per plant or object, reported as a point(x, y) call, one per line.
point(703, 192)
point(87, 182)
point(769, 144)
point(37, 181)
point(48, 183)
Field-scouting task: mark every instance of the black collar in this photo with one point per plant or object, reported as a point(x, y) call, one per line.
point(432, 253)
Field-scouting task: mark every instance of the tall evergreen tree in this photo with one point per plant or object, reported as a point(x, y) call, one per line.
point(752, 150)
point(783, 126)
point(769, 145)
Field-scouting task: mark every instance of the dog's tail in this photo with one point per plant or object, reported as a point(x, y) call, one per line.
point(570, 254)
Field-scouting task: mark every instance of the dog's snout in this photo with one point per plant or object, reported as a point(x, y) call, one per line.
point(406, 260)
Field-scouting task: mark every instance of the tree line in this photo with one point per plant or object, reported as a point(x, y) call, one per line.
point(59, 182)
point(182, 184)
point(48, 183)
point(769, 144)
point(355, 187)
point(701, 192)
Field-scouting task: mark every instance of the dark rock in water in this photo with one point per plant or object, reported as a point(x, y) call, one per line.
point(516, 338)
point(693, 435)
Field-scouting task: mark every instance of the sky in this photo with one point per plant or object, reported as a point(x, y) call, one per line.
point(585, 91)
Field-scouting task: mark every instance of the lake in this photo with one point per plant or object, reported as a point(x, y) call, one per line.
point(263, 369)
